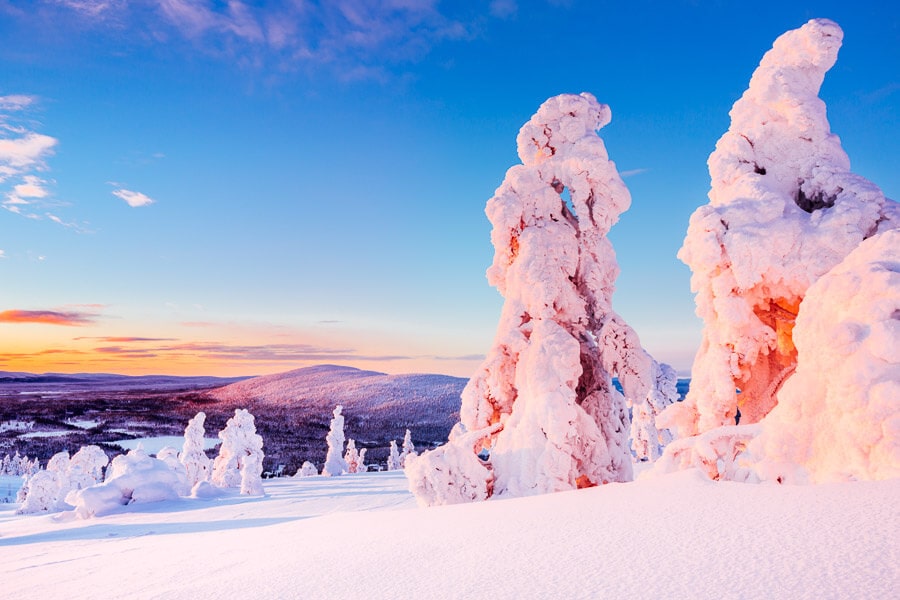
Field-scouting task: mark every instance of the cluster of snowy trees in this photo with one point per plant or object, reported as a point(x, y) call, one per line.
point(17, 466)
point(340, 460)
point(79, 482)
point(796, 267)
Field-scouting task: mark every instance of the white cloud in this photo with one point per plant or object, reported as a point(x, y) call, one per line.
point(2, 254)
point(632, 173)
point(31, 187)
point(15, 102)
point(134, 199)
point(26, 152)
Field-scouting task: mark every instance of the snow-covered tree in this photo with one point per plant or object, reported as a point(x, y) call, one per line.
point(334, 461)
point(193, 457)
point(351, 456)
point(42, 494)
point(307, 470)
point(783, 210)
point(86, 467)
point(393, 461)
point(409, 448)
point(838, 416)
point(361, 466)
point(542, 405)
point(239, 463)
point(647, 441)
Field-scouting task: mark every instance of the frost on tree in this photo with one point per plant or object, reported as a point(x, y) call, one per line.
point(334, 461)
point(848, 376)
point(783, 210)
point(193, 457)
point(240, 460)
point(541, 411)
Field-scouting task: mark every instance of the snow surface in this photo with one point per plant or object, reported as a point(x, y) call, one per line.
point(152, 445)
point(675, 536)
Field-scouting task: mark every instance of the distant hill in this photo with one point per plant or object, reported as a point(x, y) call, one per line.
point(79, 382)
point(377, 407)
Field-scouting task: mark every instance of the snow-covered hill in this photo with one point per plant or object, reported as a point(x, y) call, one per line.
point(375, 404)
point(361, 536)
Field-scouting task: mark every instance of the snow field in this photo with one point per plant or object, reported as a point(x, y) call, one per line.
point(672, 536)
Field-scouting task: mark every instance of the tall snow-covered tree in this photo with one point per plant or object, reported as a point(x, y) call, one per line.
point(334, 461)
point(542, 409)
point(239, 463)
point(193, 457)
point(783, 210)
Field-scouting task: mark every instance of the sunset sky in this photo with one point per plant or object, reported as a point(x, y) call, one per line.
point(236, 188)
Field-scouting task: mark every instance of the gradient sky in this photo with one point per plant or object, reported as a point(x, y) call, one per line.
point(236, 188)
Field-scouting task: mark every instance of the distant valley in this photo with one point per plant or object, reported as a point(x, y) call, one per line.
point(44, 414)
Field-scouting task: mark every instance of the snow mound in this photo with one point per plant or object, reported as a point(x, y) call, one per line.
point(131, 478)
point(838, 416)
point(783, 210)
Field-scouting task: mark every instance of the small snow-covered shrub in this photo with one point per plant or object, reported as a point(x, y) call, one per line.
point(42, 494)
point(307, 470)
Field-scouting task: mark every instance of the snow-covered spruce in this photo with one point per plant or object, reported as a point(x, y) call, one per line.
point(85, 468)
point(393, 461)
point(240, 460)
point(334, 461)
point(409, 449)
point(848, 377)
point(783, 210)
point(542, 404)
point(193, 457)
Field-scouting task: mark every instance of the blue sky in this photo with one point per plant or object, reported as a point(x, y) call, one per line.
point(248, 187)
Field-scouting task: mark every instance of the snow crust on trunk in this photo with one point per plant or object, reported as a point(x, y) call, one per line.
point(542, 407)
point(783, 210)
point(838, 416)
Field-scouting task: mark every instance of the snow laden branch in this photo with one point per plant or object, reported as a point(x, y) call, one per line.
point(784, 210)
point(543, 405)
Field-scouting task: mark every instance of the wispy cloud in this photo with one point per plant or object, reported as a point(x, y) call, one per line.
point(134, 199)
point(48, 317)
point(351, 38)
point(504, 9)
point(124, 340)
point(2, 254)
point(632, 173)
